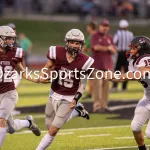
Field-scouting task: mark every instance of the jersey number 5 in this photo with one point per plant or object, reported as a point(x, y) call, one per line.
point(67, 82)
point(147, 62)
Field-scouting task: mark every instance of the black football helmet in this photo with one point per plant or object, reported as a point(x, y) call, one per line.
point(139, 46)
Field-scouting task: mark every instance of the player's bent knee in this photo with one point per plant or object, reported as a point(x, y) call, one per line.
point(53, 130)
point(48, 123)
point(135, 126)
point(2, 122)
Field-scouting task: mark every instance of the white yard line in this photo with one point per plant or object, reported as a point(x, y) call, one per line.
point(115, 148)
point(28, 132)
point(113, 108)
point(78, 129)
point(93, 128)
point(94, 135)
point(125, 137)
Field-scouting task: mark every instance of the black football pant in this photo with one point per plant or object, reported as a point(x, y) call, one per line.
point(121, 62)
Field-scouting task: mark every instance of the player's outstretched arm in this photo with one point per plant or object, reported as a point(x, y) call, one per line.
point(44, 75)
point(144, 70)
point(24, 74)
point(111, 76)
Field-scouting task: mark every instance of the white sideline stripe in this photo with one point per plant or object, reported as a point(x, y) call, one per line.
point(28, 132)
point(128, 137)
point(121, 107)
point(92, 128)
point(94, 135)
point(114, 148)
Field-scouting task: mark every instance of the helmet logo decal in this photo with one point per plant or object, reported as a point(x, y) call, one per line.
point(142, 41)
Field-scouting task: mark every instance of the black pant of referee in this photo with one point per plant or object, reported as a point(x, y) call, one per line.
point(121, 62)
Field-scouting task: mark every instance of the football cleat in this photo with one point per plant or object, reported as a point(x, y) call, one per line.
point(82, 112)
point(33, 127)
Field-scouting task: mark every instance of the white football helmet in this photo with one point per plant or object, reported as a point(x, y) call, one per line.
point(6, 32)
point(74, 35)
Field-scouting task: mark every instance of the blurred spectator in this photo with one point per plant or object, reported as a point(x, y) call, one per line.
point(125, 8)
point(86, 8)
point(24, 7)
point(9, 3)
point(135, 4)
point(91, 29)
point(122, 38)
point(97, 10)
point(113, 9)
point(102, 50)
point(36, 5)
point(1, 7)
point(64, 7)
point(26, 45)
point(148, 8)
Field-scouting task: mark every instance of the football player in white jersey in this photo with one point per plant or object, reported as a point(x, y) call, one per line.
point(139, 67)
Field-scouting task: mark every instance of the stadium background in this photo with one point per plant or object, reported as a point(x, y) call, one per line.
point(107, 131)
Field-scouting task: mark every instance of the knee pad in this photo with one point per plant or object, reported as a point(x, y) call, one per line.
point(48, 122)
point(58, 122)
point(147, 133)
point(135, 126)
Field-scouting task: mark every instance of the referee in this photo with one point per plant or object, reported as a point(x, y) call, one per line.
point(121, 39)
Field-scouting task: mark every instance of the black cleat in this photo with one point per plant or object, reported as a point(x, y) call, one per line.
point(33, 127)
point(82, 112)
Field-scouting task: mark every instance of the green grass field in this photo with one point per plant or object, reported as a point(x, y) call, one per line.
point(99, 133)
point(31, 94)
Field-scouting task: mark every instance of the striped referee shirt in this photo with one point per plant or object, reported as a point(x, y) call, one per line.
point(122, 39)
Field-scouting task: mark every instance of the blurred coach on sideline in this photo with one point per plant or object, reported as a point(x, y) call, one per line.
point(102, 50)
point(122, 38)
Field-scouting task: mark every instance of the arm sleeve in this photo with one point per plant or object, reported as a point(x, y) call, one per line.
point(88, 64)
point(82, 86)
point(51, 54)
point(20, 54)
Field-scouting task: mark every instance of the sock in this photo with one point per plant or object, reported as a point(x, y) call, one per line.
point(2, 135)
point(73, 114)
point(142, 147)
point(45, 142)
point(21, 124)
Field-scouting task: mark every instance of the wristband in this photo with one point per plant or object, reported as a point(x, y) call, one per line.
point(78, 95)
